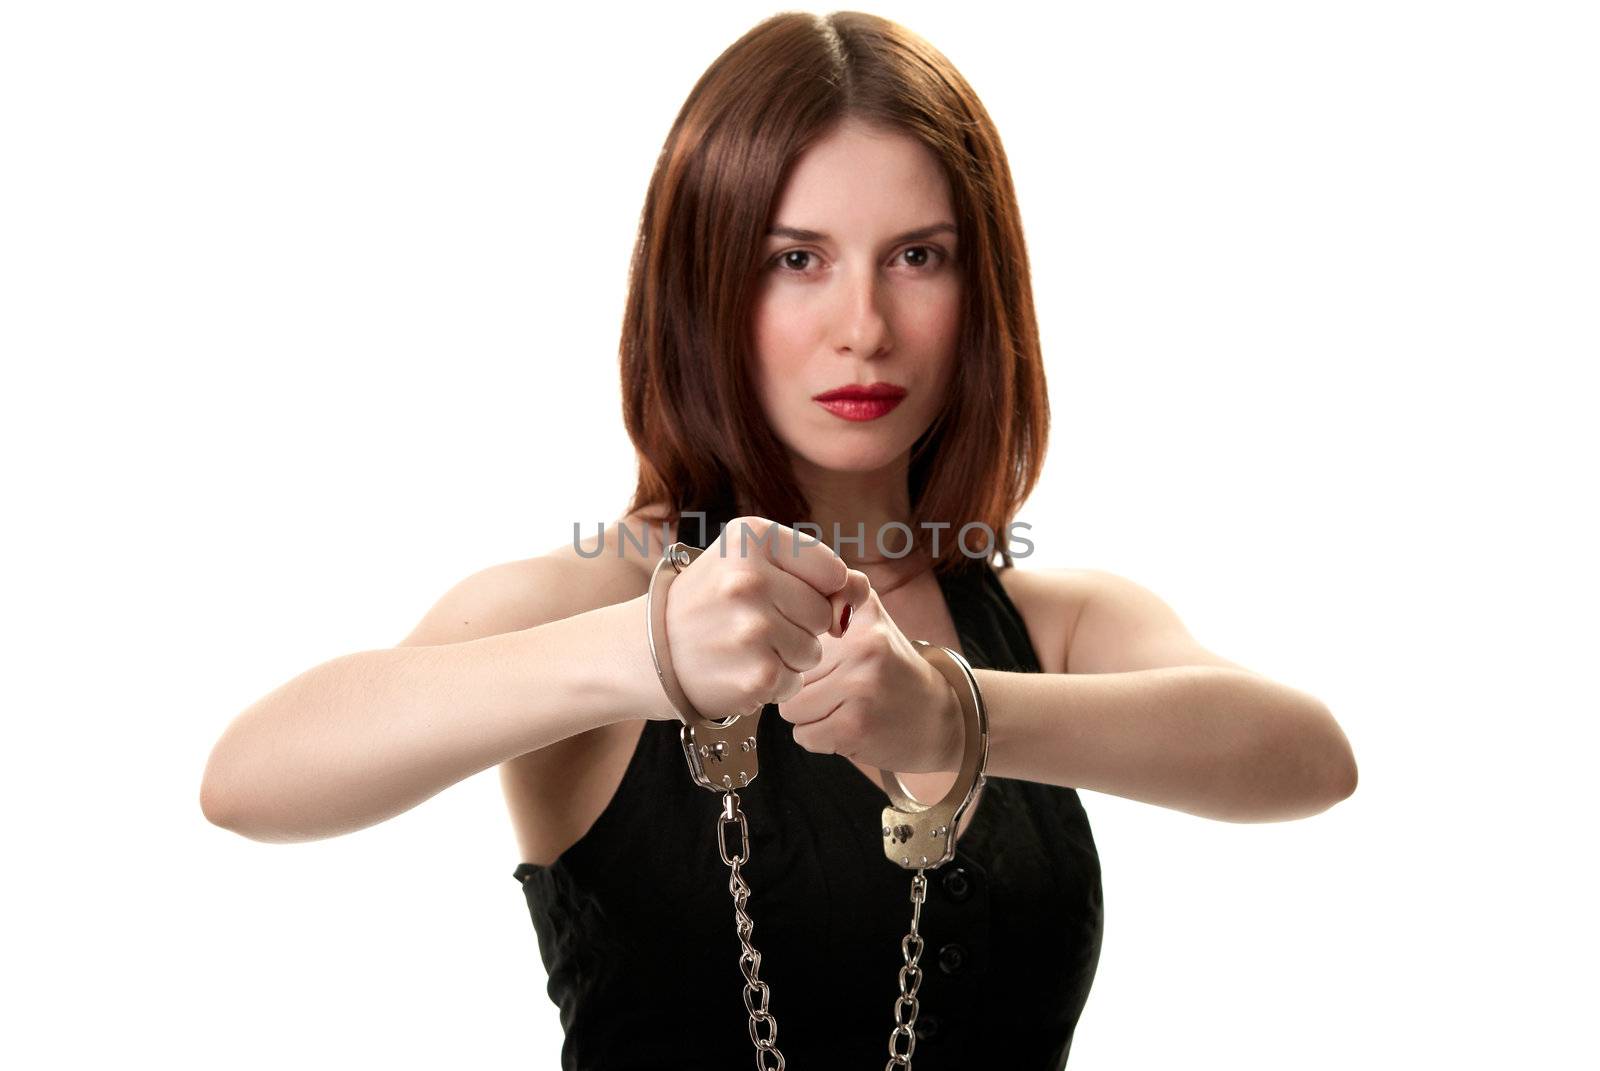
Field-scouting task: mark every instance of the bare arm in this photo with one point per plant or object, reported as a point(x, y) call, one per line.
point(1215, 742)
point(1149, 714)
point(514, 658)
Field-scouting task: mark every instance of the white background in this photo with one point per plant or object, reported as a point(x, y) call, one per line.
point(305, 307)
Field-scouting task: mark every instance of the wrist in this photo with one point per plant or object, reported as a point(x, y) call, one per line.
point(952, 726)
point(618, 678)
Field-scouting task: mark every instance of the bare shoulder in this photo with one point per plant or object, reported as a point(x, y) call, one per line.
point(1123, 626)
point(632, 543)
point(606, 566)
point(1050, 601)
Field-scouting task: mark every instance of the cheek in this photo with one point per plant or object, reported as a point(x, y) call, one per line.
point(777, 348)
point(938, 335)
point(779, 326)
point(780, 337)
point(936, 316)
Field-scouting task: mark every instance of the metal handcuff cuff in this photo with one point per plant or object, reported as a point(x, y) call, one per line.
point(722, 758)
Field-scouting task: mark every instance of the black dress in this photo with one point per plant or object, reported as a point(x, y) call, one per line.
point(635, 923)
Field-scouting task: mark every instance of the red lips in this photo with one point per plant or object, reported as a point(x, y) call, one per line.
point(857, 392)
point(857, 403)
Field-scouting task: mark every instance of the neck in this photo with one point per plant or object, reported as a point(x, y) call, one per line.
point(861, 504)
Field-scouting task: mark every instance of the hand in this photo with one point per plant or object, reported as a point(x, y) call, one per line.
point(873, 698)
point(743, 619)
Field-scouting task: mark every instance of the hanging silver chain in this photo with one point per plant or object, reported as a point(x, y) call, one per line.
point(763, 1027)
point(757, 994)
point(906, 1005)
point(903, 821)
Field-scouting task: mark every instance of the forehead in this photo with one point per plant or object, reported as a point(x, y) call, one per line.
point(864, 181)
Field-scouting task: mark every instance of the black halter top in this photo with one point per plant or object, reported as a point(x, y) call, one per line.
point(635, 923)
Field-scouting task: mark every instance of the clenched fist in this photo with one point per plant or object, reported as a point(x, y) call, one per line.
point(743, 619)
point(873, 698)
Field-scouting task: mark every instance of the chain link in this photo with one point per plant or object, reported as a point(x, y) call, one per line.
point(763, 1027)
point(757, 995)
point(906, 1004)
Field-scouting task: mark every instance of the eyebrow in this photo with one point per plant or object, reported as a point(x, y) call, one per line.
point(800, 234)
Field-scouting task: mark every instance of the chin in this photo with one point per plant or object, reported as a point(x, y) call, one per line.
point(863, 457)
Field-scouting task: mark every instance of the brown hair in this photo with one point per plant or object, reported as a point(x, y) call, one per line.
point(689, 405)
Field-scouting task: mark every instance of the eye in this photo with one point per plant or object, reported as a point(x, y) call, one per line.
point(926, 251)
point(786, 260)
point(796, 261)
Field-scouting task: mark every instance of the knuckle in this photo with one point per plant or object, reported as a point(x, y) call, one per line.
point(848, 723)
point(807, 737)
point(813, 656)
point(760, 680)
point(740, 583)
point(757, 526)
point(748, 630)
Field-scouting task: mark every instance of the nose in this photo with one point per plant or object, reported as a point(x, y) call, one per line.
point(862, 329)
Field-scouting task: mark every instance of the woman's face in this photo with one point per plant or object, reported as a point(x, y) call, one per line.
point(870, 298)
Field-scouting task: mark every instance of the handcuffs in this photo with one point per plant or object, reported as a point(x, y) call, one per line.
point(721, 755)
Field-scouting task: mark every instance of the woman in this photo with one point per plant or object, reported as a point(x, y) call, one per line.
point(829, 323)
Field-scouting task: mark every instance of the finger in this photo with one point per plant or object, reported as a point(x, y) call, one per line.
point(849, 600)
point(816, 735)
point(799, 602)
point(797, 553)
point(789, 685)
point(796, 648)
point(816, 700)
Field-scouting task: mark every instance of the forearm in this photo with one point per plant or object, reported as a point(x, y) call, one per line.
point(366, 736)
point(1211, 741)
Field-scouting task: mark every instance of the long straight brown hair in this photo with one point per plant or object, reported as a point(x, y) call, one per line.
point(689, 404)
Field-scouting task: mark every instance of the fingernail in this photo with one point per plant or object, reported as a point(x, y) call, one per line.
point(844, 618)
